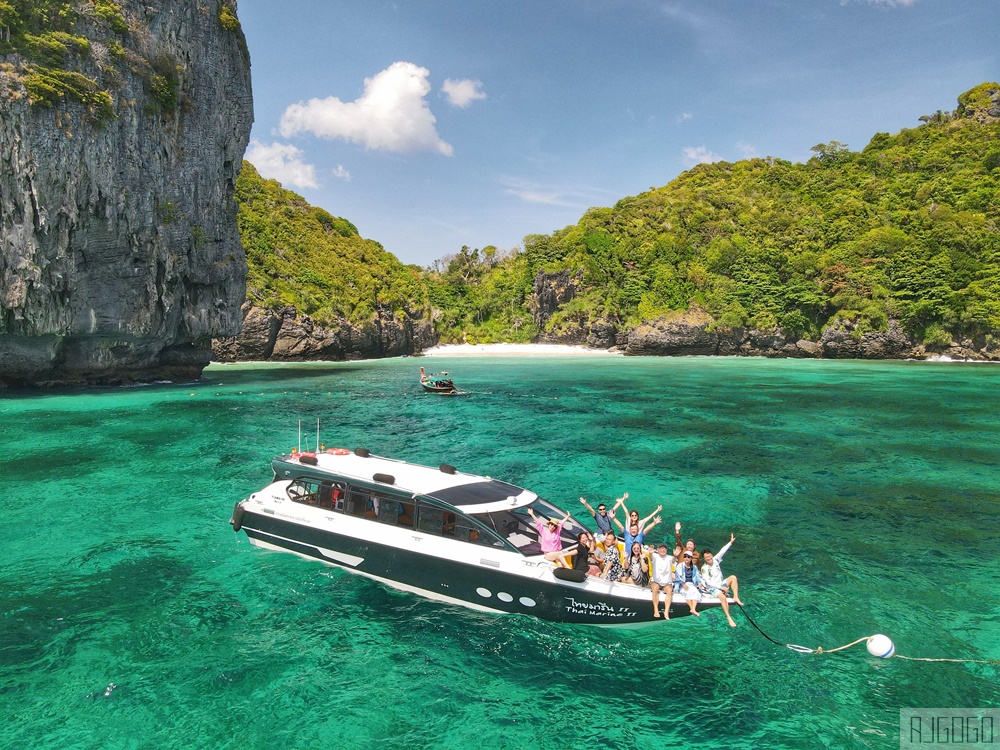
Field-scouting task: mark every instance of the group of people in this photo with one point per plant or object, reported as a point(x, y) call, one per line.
point(684, 572)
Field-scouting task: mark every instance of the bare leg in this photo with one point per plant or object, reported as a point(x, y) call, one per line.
point(734, 586)
point(725, 608)
point(693, 606)
point(656, 598)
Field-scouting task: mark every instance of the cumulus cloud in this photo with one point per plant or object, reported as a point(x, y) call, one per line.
point(342, 173)
point(462, 93)
point(745, 150)
point(282, 162)
point(391, 114)
point(699, 155)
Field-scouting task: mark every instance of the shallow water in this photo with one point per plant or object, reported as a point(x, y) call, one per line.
point(863, 496)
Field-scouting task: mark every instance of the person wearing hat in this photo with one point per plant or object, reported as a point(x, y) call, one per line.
point(549, 531)
point(661, 578)
point(686, 582)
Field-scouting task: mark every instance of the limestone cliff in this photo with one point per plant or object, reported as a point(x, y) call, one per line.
point(285, 335)
point(119, 252)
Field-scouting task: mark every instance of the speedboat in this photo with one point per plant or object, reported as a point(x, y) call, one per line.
point(436, 532)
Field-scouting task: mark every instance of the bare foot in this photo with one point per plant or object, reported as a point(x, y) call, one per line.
point(737, 601)
point(656, 615)
point(731, 623)
point(695, 613)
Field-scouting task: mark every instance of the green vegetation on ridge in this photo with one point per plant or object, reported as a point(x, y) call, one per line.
point(906, 229)
point(303, 256)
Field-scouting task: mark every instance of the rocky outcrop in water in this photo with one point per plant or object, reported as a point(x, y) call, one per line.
point(694, 333)
point(119, 253)
point(284, 335)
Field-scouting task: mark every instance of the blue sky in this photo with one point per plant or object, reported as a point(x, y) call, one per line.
point(433, 124)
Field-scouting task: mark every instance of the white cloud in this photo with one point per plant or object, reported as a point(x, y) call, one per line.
point(342, 173)
point(699, 155)
point(532, 192)
point(886, 3)
point(390, 115)
point(683, 117)
point(745, 150)
point(462, 93)
point(282, 162)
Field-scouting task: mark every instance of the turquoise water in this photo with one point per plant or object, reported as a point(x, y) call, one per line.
point(863, 496)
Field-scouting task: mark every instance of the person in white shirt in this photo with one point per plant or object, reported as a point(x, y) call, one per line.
point(661, 576)
point(713, 581)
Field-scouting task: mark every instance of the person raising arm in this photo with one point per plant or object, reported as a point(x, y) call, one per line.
point(549, 531)
point(601, 516)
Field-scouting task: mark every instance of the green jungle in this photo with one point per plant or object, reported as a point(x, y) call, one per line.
point(905, 229)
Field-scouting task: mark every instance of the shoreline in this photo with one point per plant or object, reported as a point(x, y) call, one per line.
point(519, 350)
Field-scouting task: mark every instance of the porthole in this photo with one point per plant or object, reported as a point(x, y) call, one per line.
point(505, 597)
point(485, 593)
point(527, 602)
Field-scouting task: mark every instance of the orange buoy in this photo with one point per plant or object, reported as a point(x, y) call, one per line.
point(337, 451)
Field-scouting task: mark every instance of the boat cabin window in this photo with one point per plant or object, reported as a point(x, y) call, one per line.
point(322, 493)
point(357, 503)
point(516, 526)
point(379, 506)
point(444, 523)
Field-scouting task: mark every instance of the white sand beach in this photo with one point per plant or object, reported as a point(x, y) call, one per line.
point(519, 350)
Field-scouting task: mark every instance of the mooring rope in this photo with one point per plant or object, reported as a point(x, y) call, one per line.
point(806, 650)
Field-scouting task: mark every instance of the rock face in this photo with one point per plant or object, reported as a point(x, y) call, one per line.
point(120, 258)
point(692, 333)
point(284, 335)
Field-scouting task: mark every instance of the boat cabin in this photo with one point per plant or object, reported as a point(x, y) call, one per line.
point(481, 511)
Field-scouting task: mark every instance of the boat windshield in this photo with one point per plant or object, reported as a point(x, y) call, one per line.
point(516, 526)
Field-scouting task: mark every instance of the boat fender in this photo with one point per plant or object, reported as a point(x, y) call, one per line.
point(881, 646)
point(363, 452)
point(569, 574)
point(447, 468)
point(384, 478)
point(237, 520)
point(337, 451)
point(308, 458)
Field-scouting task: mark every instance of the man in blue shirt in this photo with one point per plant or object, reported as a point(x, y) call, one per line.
point(601, 516)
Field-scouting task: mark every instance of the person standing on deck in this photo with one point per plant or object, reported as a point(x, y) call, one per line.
point(601, 516)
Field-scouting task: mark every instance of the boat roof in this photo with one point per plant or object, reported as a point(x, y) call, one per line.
point(469, 492)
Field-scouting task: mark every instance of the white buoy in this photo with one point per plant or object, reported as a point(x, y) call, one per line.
point(881, 646)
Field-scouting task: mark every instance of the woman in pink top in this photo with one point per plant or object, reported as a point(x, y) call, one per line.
point(549, 531)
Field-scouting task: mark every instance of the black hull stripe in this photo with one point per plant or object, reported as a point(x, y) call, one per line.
point(478, 586)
